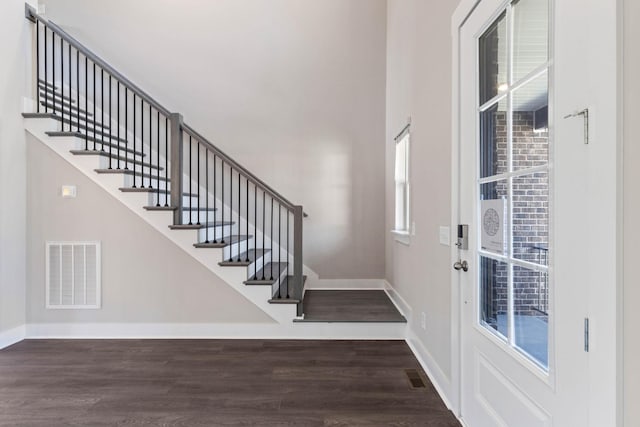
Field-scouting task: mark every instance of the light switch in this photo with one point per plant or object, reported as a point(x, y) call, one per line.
point(445, 236)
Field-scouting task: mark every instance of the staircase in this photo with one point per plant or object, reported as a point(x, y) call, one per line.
point(132, 144)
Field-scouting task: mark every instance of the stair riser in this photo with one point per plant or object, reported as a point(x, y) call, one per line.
point(219, 232)
point(198, 216)
point(80, 145)
point(236, 248)
point(104, 163)
point(258, 262)
point(129, 182)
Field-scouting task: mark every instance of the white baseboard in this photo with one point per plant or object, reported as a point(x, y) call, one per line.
point(343, 284)
point(431, 368)
point(352, 331)
point(12, 336)
point(402, 306)
point(439, 380)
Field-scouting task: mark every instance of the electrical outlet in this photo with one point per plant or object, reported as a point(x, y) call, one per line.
point(423, 320)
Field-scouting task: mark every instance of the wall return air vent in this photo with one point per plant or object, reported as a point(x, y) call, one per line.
point(73, 275)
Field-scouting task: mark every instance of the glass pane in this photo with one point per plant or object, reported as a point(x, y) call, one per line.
point(530, 312)
point(530, 217)
point(494, 282)
point(529, 121)
point(493, 216)
point(493, 60)
point(493, 140)
point(530, 36)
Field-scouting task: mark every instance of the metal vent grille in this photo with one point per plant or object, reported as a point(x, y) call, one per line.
point(415, 379)
point(73, 274)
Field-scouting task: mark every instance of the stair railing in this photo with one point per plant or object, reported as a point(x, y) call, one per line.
point(185, 172)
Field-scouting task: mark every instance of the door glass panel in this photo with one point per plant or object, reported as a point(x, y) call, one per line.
point(493, 140)
point(494, 298)
point(493, 60)
point(529, 123)
point(530, 36)
point(513, 211)
point(530, 313)
point(530, 217)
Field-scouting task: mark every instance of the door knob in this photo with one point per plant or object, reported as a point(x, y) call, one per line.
point(461, 265)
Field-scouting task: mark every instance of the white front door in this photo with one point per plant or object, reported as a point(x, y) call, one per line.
point(510, 298)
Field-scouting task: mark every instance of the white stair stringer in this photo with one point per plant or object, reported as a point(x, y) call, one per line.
point(160, 220)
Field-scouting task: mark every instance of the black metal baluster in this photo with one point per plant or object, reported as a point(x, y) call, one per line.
point(46, 72)
point(95, 125)
point(150, 148)
point(287, 268)
point(78, 90)
point(206, 192)
point(222, 202)
point(141, 142)
point(126, 131)
point(247, 218)
point(240, 220)
point(255, 220)
point(38, 67)
point(134, 140)
point(231, 211)
point(53, 70)
point(263, 230)
point(190, 192)
point(70, 96)
point(61, 84)
point(86, 103)
point(110, 141)
point(118, 126)
point(95, 119)
point(166, 161)
point(271, 248)
point(215, 201)
point(279, 246)
point(198, 183)
point(158, 159)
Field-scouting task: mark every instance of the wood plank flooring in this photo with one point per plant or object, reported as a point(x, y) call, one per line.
point(214, 383)
point(349, 306)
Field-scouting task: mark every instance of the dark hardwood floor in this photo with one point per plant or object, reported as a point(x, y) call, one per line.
point(349, 306)
point(214, 383)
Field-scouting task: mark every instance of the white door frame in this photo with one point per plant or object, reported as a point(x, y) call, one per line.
point(606, 321)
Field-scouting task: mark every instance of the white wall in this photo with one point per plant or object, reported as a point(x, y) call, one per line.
point(15, 35)
point(292, 89)
point(419, 85)
point(145, 277)
point(631, 212)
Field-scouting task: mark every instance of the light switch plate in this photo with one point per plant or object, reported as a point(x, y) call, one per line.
point(445, 236)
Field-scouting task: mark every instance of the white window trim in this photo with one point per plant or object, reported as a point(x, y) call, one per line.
point(404, 235)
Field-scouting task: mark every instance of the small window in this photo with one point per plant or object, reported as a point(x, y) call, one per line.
point(401, 228)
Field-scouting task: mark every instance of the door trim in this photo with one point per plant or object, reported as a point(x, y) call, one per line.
point(460, 16)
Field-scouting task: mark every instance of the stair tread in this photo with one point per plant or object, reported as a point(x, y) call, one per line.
point(173, 208)
point(97, 141)
point(252, 255)
point(113, 157)
point(228, 240)
point(199, 226)
point(65, 113)
point(148, 190)
point(106, 137)
point(137, 174)
point(283, 292)
point(70, 108)
point(53, 94)
point(47, 84)
point(278, 268)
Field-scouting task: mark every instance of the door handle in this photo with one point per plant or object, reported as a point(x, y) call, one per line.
point(461, 265)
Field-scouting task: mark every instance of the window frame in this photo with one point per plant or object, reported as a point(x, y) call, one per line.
point(402, 235)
